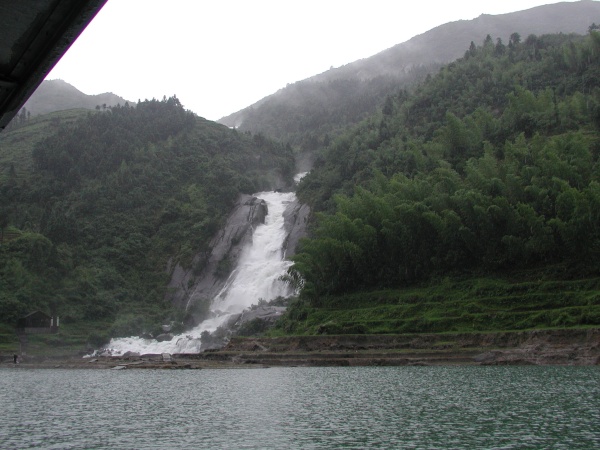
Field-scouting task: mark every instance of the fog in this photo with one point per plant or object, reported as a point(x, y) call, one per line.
point(219, 57)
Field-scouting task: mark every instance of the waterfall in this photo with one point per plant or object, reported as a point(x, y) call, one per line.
point(256, 276)
point(261, 264)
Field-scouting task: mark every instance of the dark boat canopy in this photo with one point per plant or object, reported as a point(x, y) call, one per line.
point(34, 35)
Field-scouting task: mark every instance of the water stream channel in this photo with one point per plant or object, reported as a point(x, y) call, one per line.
point(256, 277)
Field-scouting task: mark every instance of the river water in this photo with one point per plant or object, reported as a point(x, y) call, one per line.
point(297, 408)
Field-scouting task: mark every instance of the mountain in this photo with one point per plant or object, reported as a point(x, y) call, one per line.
point(329, 101)
point(448, 42)
point(58, 95)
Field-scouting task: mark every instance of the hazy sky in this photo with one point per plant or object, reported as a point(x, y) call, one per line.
point(219, 56)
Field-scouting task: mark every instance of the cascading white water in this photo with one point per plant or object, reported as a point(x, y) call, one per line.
point(257, 276)
point(261, 264)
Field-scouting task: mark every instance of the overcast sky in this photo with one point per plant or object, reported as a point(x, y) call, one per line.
point(219, 56)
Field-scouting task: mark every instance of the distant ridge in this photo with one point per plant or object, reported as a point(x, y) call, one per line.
point(402, 64)
point(449, 42)
point(58, 95)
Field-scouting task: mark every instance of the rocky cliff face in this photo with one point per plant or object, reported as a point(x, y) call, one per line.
point(296, 219)
point(193, 289)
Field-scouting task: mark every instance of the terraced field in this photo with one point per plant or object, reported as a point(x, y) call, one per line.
point(472, 305)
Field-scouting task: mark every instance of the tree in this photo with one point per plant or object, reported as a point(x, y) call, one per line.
point(500, 48)
point(515, 40)
point(3, 223)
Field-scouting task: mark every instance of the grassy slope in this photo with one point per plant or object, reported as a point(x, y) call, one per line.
point(478, 304)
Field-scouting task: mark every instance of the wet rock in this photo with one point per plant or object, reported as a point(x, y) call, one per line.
point(215, 340)
point(487, 357)
point(164, 337)
point(266, 313)
point(211, 269)
point(131, 354)
point(233, 320)
point(255, 321)
point(296, 219)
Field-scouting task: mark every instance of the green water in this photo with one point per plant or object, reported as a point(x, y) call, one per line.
point(288, 408)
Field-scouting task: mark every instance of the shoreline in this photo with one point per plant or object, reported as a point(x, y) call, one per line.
point(564, 347)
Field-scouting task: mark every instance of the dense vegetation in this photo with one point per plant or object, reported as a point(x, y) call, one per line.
point(490, 167)
point(102, 204)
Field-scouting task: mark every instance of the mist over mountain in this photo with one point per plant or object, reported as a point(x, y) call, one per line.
point(58, 95)
point(448, 42)
point(338, 97)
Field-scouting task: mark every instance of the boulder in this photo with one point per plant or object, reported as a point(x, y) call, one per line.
point(263, 312)
point(164, 337)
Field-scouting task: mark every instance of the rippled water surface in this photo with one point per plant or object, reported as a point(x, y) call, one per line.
point(279, 408)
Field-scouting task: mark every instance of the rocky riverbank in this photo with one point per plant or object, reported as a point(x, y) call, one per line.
point(543, 347)
point(150, 361)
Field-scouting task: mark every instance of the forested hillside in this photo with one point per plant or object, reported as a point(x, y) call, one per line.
point(488, 168)
point(95, 208)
